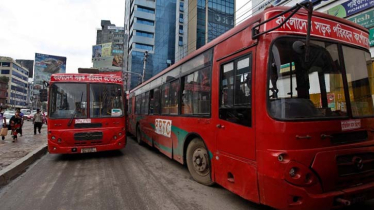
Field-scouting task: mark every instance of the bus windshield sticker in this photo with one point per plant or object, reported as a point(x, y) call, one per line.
point(351, 124)
point(116, 112)
point(163, 127)
point(80, 121)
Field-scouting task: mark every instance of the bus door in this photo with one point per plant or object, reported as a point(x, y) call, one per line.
point(235, 133)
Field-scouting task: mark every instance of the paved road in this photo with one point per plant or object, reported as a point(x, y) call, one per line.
point(134, 178)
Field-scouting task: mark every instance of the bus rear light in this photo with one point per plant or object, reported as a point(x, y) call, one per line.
point(119, 134)
point(115, 137)
point(54, 148)
point(53, 138)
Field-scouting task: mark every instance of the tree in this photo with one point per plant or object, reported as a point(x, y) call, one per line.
point(4, 79)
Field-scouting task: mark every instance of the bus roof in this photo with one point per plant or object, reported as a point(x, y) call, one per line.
point(96, 78)
point(264, 15)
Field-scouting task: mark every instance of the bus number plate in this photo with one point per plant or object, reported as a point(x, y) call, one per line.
point(88, 150)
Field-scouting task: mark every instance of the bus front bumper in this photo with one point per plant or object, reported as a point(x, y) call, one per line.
point(55, 148)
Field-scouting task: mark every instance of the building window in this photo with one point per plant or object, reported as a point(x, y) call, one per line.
point(144, 46)
point(180, 41)
point(145, 9)
point(181, 6)
point(180, 29)
point(181, 18)
point(5, 64)
point(5, 71)
point(144, 34)
point(145, 22)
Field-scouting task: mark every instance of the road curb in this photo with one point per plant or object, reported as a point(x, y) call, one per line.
point(16, 168)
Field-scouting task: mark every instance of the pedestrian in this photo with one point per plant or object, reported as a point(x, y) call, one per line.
point(2, 121)
point(15, 125)
point(21, 115)
point(38, 120)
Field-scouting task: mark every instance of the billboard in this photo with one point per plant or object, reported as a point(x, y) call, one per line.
point(45, 65)
point(366, 19)
point(96, 51)
point(110, 62)
point(106, 49)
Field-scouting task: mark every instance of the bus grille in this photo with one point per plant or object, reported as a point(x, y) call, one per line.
point(349, 137)
point(88, 136)
point(355, 164)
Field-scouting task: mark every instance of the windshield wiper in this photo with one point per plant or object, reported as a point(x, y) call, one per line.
point(75, 111)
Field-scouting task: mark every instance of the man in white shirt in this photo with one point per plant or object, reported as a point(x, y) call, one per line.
point(38, 120)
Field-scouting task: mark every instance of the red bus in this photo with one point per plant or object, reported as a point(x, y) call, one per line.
point(277, 113)
point(85, 113)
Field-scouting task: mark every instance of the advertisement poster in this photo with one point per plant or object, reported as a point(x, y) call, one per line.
point(350, 8)
point(106, 49)
point(96, 51)
point(371, 37)
point(46, 65)
point(331, 101)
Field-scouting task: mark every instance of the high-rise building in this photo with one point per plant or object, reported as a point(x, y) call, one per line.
point(110, 41)
point(18, 82)
point(169, 30)
point(29, 64)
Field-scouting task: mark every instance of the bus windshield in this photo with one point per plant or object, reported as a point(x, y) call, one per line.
point(70, 100)
point(314, 86)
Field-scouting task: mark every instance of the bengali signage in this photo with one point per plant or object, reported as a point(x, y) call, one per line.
point(46, 65)
point(366, 19)
point(89, 78)
point(163, 127)
point(321, 27)
point(371, 37)
point(350, 8)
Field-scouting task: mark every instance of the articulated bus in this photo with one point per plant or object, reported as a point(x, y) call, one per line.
point(86, 113)
point(278, 110)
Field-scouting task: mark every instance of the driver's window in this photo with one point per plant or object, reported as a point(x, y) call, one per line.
point(235, 91)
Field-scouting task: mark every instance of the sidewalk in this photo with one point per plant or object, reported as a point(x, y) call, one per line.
point(11, 152)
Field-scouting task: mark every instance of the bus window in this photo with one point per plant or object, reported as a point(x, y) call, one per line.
point(187, 94)
point(165, 100)
point(156, 100)
point(137, 104)
point(300, 89)
point(106, 100)
point(201, 92)
point(146, 102)
point(174, 96)
point(143, 105)
point(130, 106)
point(235, 104)
point(66, 100)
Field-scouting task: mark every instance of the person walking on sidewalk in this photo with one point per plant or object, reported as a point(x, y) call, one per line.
point(15, 125)
point(2, 121)
point(21, 115)
point(38, 120)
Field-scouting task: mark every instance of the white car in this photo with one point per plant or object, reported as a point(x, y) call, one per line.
point(8, 115)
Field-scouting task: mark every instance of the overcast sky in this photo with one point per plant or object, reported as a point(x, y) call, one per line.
point(58, 27)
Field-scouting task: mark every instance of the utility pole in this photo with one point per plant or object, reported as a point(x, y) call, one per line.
point(145, 62)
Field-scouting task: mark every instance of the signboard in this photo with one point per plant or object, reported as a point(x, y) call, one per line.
point(321, 27)
point(96, 51)
point(46, 65)
point(371, 37)
point(350, 124)
point(163, 127)
point(350, 8)
point(106, 49)
point(366, 19)
point(90, 78)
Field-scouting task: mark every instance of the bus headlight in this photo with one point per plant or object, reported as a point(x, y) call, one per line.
point(300, 175)
point(53, 138)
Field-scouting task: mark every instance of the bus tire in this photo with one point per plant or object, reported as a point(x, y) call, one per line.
point(139, 136)
point(198, 162)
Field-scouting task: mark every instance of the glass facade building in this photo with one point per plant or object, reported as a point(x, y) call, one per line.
point(163, 28)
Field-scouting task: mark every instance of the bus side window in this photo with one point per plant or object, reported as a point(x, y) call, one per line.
point(156, 100)
point(236, 102)
point(187, 94)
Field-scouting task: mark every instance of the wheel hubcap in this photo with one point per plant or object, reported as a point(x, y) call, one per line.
point(200, 161)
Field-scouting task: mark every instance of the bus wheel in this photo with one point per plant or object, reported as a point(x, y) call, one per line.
point(198, 162)
point(138, 136)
